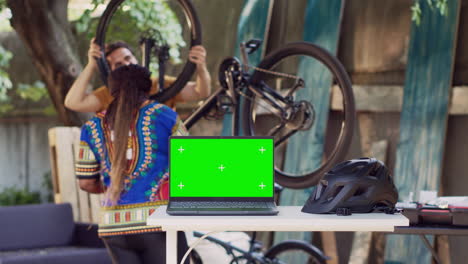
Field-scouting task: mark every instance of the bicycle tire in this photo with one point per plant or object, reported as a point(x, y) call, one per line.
point(189, 67)
point(195, 257)
point(298, 181)
point(315, 255)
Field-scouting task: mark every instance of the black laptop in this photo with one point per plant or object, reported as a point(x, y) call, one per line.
point(221, 176)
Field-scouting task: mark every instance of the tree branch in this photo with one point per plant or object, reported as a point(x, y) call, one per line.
point(43, 27)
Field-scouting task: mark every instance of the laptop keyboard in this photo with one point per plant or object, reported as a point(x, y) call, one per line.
point(220, 205)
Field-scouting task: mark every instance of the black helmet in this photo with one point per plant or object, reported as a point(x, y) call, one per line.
point(354, 186)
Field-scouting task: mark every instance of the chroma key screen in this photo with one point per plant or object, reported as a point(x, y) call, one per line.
point(221, 167)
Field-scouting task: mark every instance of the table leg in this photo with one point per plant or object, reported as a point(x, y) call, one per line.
point(430, 248)
point(171, 247)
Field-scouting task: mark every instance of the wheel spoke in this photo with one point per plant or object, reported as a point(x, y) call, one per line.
point(283, 139)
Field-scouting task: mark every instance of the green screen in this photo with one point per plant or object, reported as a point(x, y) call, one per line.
point(221, 167)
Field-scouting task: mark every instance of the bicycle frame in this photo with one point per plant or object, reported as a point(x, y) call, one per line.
point(282, 105)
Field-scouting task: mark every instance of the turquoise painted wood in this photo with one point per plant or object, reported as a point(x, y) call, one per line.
point(322, 27)
point(424, 115)
point(254, 22)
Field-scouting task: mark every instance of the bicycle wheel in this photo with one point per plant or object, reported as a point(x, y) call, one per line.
point(195, 257)
point(295, 251)
point(192, 23)
point(277, 70)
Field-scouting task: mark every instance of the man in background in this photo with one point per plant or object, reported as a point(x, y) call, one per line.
point(119, 54)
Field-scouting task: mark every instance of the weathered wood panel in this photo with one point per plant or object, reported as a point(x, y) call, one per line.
point(322, 27)
point(64, 173)
point(454, 180)
point(424, 116)
point(389, 98)
point(461, 59)
point(64, 142)
point(254, 22)
point(362, 241)
point(374, 40)
point(83, 197)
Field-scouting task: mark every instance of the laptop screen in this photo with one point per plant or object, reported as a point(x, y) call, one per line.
point(221, 167)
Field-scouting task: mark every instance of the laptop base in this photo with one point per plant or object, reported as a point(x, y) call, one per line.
point(222, 211)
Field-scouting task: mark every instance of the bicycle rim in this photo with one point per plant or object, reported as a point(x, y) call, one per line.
point(295, 251)
point(250, 111)
point(193, 25)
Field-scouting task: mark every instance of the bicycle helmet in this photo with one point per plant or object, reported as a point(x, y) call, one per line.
point(354, 186)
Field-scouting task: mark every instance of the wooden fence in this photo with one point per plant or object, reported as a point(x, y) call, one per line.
point(63, 144)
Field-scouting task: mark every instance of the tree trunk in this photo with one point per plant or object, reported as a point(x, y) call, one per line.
point(44, 28)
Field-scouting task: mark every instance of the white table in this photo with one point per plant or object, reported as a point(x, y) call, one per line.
point(290, 218)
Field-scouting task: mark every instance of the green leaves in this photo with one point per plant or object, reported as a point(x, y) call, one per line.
point(5, 85)
point(34, 92)
point(14, 196)
point(5, 82)
point(155, 19)
point(416, 12)
point(82, 24)
point(2, 4)
point(139, 18)
point(442, 6)
point(5, 57)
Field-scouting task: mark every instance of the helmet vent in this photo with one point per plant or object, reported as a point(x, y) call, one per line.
point(320, 189)
point(357, 168)
point(375, 171)
point(359, 192)
point(335, 193)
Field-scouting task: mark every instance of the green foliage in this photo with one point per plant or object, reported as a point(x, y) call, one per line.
point(5, 82)
point(5, 57)
point(416, 13)
point(14, 196)
point(5, 15)
point(2, 4)
point(48, 186)
point(29, 92)
point(5, 85)
point(139, 18)
point(34, 92)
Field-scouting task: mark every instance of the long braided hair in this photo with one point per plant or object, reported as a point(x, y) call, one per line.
point(130, 86)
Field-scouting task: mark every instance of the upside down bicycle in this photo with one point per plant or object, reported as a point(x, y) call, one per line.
point(270, 87)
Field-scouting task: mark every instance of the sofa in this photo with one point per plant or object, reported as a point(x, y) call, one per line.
point(47, 233)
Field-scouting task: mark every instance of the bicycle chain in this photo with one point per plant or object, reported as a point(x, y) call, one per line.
point(252, 100)
point(286, 75)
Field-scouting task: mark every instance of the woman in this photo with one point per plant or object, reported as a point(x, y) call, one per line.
point(124, 154)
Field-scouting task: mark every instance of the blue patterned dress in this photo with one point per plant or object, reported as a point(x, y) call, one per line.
point(147, 156)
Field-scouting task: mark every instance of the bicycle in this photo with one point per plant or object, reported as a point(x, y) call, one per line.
point(277, 254)
point(292, 114)
point(288, 251)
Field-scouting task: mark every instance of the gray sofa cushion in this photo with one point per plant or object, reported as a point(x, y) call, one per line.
point(57, 255)
point(36, 226)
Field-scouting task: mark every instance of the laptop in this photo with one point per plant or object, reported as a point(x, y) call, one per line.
point(221, 176)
